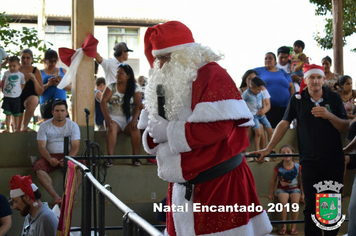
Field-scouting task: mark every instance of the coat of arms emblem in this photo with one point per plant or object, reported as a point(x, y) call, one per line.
point(328, 205)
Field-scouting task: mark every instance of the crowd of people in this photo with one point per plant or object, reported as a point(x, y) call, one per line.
point(207, 124)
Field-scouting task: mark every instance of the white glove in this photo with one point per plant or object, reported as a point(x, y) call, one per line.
point(158, 129)
point(143, 120)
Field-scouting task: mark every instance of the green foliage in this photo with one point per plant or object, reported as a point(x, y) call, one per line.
point(13, 41)
point(324, 7)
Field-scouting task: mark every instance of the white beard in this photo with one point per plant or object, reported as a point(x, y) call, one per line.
point(177, 77)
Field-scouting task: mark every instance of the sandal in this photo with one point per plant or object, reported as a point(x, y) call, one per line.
point(293, 232)
point(108, 163)
point(136, 162)
point(282, 232)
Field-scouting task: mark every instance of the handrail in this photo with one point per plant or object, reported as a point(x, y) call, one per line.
point(82, 166)
point(154, 156)
point(128, 212)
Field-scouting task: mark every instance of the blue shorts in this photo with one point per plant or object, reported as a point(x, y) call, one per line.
point(289, 191)
point(261, 119)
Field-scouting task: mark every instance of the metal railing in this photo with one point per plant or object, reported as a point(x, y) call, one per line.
point(133, 224)
point(128, 227)
point(131, 221)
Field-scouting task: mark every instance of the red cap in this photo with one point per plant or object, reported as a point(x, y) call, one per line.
point(22, 185)
point(308, 70)
point(166, 38)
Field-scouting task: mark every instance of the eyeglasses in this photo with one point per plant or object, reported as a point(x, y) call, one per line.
point(53, 61)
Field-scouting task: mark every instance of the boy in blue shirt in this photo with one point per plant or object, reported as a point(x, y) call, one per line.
point(253, 98)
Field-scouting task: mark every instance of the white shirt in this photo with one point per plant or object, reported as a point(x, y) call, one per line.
point(110, 67)
point(286, 67)
point(55, 135)
point(12, 84)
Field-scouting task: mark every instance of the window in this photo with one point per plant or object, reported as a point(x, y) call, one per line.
point(59, 36)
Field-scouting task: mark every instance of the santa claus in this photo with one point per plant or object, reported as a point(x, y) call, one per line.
point(199, 141)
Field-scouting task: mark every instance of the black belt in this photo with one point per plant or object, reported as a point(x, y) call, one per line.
point(212, 173)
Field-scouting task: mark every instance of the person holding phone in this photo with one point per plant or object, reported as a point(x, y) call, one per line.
point(51, 76)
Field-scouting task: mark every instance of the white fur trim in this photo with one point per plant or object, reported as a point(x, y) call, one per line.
point(176, 137)
point(314, 71)
point(247, 124)
point(145, 143)
point(259, 225)
point(169, 164)
point(231, 109)
point(18, 192)
point(183, 221)
point(163, 51)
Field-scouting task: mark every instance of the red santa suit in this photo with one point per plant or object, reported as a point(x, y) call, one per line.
point(210, 129)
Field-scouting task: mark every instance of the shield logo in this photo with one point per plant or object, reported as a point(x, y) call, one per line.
point(328, 207)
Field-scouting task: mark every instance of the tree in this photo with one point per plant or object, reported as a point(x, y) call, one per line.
point(324, 8)
point(13, 41)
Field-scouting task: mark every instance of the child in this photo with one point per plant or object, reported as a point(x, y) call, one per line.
point(298, 58)
point(289, 186)
point(13, 83)
point(253, 97)
point(99, 117)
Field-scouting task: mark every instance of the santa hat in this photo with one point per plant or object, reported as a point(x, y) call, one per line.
point(308, 70)
point(22, 185)
point(166, 38)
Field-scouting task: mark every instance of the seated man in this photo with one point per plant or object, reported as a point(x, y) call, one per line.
point(39, 218)
point(50, 138)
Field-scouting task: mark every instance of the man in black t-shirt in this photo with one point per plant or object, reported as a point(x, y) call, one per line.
point(320, 117)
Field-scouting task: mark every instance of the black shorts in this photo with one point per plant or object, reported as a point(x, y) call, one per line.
point(12, 106)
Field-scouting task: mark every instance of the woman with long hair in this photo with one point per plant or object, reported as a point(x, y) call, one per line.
point(344, 87)
point(330, 78)
point(121, 107)
point(33, 89)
